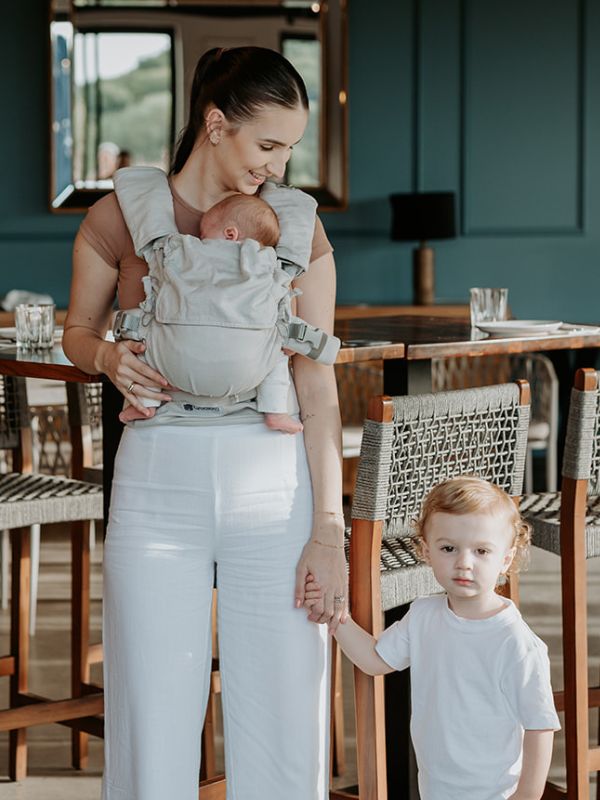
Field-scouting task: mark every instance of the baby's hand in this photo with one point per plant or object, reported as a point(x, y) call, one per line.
point(131, 413)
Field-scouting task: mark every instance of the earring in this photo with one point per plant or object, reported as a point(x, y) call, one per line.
point(214, 137)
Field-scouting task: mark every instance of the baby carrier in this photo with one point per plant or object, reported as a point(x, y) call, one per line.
point(217, 312)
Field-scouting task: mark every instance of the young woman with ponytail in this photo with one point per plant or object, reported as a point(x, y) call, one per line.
point(220, 492)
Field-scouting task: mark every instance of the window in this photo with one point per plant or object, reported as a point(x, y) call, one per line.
point(123, 109)
point(305, 54)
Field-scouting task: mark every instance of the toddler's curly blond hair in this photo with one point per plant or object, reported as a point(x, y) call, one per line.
point(471, 495)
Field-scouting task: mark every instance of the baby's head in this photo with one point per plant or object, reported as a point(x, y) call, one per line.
point(241, 216)
point(497, 515)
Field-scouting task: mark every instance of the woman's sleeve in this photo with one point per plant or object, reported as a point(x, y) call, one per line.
point(104, 228)
point(321, 244)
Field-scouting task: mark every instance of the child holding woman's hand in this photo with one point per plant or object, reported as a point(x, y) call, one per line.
point(483, 716)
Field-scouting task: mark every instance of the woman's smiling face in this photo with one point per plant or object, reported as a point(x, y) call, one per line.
point(249, 153)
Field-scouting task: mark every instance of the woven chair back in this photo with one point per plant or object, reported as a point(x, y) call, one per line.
point(433, 437)
point(85, 404)
point(14, 411)
point(581, 459)
point(467, 372)
point(357, 382)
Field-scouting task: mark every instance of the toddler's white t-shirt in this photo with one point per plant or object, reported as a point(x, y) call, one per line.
point(476, 685)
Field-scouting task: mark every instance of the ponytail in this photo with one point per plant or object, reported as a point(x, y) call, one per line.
point(190, 133)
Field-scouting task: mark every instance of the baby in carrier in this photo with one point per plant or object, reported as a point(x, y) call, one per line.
point(218, 310)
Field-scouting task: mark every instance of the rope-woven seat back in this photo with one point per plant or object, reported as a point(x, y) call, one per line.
point(13, 411)
point(581, 459)
point(433, 437)
point(85, 404)
point(357, 382)
point(467, 372)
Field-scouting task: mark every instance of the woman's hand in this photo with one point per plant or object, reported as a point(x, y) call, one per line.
point(132, 377)
point(323, 560)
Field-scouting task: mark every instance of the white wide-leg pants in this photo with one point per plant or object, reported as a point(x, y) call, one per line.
point(183, 500)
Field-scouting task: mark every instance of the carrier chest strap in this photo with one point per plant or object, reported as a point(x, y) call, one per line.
point(314, 337)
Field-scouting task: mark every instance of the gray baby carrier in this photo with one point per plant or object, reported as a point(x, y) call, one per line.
point(217, 312)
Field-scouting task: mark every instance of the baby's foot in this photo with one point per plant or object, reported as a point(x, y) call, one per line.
point(283, 422)
point(131, 412)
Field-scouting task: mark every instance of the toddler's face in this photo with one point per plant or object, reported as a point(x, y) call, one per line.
point(468, 552)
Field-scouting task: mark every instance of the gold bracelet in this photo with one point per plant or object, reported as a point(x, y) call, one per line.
point(325, 544)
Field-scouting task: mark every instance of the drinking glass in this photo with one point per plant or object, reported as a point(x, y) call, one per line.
point(488, 305)
point(35, 325)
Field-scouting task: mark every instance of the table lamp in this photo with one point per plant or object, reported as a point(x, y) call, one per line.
point(420, 216)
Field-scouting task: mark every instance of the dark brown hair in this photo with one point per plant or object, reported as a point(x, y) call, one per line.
point(238, 80)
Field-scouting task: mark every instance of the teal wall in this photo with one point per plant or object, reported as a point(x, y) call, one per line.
point(495, 99)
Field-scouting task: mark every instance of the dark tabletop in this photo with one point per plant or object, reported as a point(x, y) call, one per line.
point(395, 337)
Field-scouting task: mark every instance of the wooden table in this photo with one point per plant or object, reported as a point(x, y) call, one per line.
point(426, 338)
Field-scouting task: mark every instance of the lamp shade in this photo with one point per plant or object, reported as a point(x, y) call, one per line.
point(423, 215)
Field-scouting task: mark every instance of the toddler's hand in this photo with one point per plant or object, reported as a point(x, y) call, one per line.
point(312, 592)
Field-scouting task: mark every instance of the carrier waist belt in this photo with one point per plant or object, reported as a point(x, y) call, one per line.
point(212, 402)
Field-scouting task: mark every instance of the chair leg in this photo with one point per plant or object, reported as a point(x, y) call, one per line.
point(208, 763)
point(19, 645)
point(598, 773)
point(4, 565)
point(529, 471)
point(80, 630)
point(365, 597)
point(35, 575)
point(338, 750)
point(575, 650)
point(208, 760)
point(551, 466)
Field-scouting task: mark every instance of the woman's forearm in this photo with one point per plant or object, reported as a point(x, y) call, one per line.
point(85, 348)
point(319, 412)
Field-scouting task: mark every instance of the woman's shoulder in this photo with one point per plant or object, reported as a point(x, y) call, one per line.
point(320, 244)
point(105, 211)
point(105, 229)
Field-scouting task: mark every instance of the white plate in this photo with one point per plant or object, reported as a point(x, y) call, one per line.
point(520, 327)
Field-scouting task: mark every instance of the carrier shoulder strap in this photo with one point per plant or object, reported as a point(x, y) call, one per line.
point(146, 201)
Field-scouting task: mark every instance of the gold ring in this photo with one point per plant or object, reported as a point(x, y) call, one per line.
point(130, 387)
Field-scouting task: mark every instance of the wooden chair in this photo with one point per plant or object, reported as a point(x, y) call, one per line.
point(409, 445)
point(27, 499)
point(357, 382)
point(538, 371)
point(568, 524)
point(84, 403)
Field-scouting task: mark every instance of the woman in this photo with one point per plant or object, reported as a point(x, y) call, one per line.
point(199, 491)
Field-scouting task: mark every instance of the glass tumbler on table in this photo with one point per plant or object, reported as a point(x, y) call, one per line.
point(34, 324)
point(488, 305)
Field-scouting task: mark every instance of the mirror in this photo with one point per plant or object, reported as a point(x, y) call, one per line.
point(121, 73)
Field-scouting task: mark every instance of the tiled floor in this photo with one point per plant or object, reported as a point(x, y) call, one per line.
point(50, 777)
